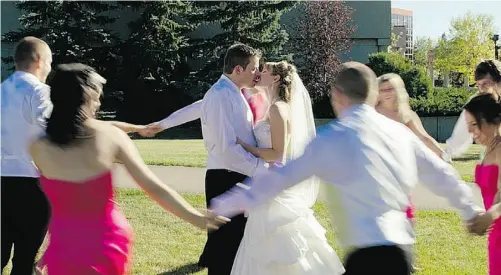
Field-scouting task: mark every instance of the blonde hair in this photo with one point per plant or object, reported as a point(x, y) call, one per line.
point(286, 71)
point(403, 106)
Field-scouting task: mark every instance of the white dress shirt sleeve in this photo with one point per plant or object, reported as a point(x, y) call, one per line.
point(182, 116)
point(38, 107)
point(266, 186)
point(223, 138)
point(460, 140)
point(443, 180)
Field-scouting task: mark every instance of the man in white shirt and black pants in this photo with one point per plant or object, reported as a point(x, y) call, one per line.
point(25, 106)
point(225, 115)
point(371, 163)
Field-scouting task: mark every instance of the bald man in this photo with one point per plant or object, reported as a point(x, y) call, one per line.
point(24, 108)
point(370, 163)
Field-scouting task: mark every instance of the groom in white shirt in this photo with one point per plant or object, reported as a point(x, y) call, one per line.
point(225, 115)
point(371, 163)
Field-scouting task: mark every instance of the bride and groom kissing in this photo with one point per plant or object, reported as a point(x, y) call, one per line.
point(281, 236)
point(370, 164)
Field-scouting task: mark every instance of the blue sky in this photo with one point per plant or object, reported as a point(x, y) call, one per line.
point(432, 18)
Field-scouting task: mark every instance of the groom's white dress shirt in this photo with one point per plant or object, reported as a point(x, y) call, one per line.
point(371, 163)
point(182, 116)
point(25, 107)
point(225, 115)
point(187, 114)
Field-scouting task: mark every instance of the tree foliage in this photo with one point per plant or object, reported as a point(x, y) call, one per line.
point(323, 36)
point(442, 102)
point(76, 31)
point(416, 81)
point(255, 23)
point(422, 46)
point(157, 42)
point(154, 59)
point(466, 44)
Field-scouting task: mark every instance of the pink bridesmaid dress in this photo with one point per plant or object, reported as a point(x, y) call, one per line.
point(88, 233)
point(257, 103)
point(486, 177)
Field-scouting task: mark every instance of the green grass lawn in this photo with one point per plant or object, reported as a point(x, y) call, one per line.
point(165, 244)
point(192, 153)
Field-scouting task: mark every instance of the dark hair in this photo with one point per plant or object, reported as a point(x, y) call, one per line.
point(28, 50)
point(484, 107)
point(239, 55)
point(286, 71)
point(70, 87)
point(490, 68)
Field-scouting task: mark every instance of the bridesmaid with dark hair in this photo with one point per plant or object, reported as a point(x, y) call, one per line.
point(483, 117)
point(75, 159)
point(488, 80)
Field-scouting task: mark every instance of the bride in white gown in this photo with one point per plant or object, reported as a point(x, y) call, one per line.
point(283, 236)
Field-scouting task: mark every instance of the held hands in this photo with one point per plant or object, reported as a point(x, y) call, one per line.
point(210, 221)
point(480, 224)
point(239, 141)
point(149, 130)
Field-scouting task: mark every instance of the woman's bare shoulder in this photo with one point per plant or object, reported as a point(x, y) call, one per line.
point(105, 128)
point(279, 108)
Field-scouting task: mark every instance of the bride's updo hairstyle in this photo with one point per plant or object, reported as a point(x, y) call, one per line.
point(286, 72)
point(74, 89)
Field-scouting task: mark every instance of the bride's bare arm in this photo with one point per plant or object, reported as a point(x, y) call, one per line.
point(278, 121)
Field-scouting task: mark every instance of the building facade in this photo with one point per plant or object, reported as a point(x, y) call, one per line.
point(400, 44)
point(403, 18)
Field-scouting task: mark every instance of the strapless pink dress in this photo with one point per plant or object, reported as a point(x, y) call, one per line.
point(88, 233)
point(257, 103)
point(486, 177)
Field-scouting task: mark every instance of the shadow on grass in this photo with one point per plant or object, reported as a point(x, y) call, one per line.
point(467, 158)
point(183, 270)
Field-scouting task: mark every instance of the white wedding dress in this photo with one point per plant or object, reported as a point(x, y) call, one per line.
point(282, 237)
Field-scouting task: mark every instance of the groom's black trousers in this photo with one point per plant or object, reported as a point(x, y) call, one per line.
point(388, 260)
point(222, 245)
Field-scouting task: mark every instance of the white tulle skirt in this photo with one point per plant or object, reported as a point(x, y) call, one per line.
point(283, 237)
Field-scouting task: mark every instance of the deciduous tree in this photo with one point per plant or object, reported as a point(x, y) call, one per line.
point(466, 43)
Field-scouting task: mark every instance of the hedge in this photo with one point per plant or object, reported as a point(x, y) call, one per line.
point(417, 83)
point(442, 101)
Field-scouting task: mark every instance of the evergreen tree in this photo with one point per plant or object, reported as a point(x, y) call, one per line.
point(75, 30)
point(255, 23)
point(154, 59)
point(157, 41)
